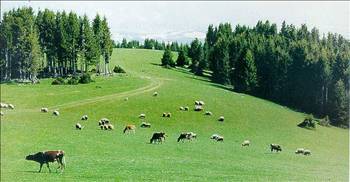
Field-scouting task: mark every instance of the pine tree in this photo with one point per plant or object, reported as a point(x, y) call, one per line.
point(181, 59)
point(167, 59)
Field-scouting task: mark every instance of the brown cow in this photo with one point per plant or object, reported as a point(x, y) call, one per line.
point(48, 156)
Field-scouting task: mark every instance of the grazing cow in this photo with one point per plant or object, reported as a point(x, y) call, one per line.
point(300, 151)
point(245, 143)
point(56, 113)
point(48, 156)
point(307, 152)
point(145, 125)
point(158, 137)
point(155, 94)
point(85, 117)
point(221, 118)
point(198, 108)
point(276, 147)
point(78, 126)
point(208, 113)
point(129, 128)
point(187, 136)
point(44, 109)
point(142, 116)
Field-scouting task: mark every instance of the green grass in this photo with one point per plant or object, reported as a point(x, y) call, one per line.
point(95, 155)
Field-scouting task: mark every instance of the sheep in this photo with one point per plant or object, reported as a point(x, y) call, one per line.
point(221, 118)
point(300, 151)
point(155, 94)
point(4, 105)
point(1, 113)
point(56, 113)
point(44, 109)
point(145, 125)
point(198, 108)
point(245, 143)
point(126, 99)
point(307, 152)
point(164, 114)
point(208, 113)
point(196, 102)
point(110, 127)
point(201, 103)
point(142, 116)
point(78, 126)
point(85, 117)
point(217, 137)
point(168, 115)
point(11, 106)
point(182, 108)
point(187, 108)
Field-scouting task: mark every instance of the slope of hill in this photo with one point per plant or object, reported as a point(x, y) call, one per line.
point(95, 155)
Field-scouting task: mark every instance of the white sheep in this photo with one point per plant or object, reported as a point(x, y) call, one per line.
point(221, 118)
point(198, 108)
point(186, 108)
point(245, 143)
point(1, 113)
point(201, 103)
point(299, 151)
point(11, 106)
point(182, 108)
point(78, 126)
point(196, 102)
point(307, 152)
point(155, 94)
point(4, 105)
point(142, 116)
point(85, 117)
point(56, 113)
point(44, 109)
point(208, 113)
point(126, 99)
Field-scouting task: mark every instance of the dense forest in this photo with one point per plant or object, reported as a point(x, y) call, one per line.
point(51, 44)
point(294, 66)
point(149, 44)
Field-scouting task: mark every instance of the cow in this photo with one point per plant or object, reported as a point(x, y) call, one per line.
point(129, 128)
point(187, 136)
point(276, 147)
point(48, 156)
point(158, 137)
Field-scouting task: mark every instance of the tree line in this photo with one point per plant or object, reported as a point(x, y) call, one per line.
point(294, 66)
point(51, 44)
point(149, 44)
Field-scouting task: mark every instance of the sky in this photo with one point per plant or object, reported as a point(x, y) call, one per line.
point(184, 20)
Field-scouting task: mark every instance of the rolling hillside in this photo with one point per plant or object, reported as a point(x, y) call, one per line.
point(95, 155)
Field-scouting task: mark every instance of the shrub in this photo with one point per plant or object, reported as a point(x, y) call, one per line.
point(85, 78)
point(73, 80)
point(308, 122)
point(118, 69)
point(324, 122)
point(58, 81)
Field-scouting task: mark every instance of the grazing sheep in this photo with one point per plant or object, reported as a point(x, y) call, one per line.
point(56, 113)
point(11, 106)
point(208, 113)
point(198, 108)
point(44, 109)
point(168, 115)
point(145, 125)
point(155, 94)
point(300, 151)
point(276, 147)
point(1, 113)
point(78, 126)
point(307, 152)
point(221, 118)
point(220, 139)
point(217, 137)
point(182, 108)
point(196, 102)
point(129, 128)
point(201, 103)
point(246, 143)
point(164, 114)
point(126, 99)
point(85, 117)
point(4, 105)
point(142, 116)
point(187, 108)
point(110, 127)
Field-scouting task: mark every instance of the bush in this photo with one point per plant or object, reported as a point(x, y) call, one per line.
point(118, 69)
point(85, 78)
point(73, 80)
point(308, 122)
point(58, 81)
point(324, 122)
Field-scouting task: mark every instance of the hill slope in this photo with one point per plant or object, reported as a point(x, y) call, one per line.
point(92, 154)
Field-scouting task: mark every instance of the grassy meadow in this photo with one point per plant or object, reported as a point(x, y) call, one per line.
point(95, 155)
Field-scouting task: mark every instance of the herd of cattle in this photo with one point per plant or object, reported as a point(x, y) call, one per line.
point(158, 137)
